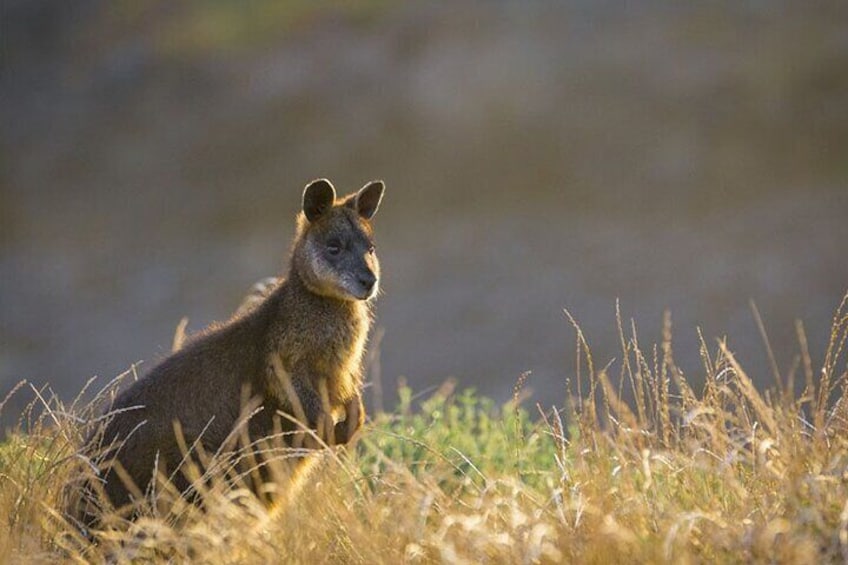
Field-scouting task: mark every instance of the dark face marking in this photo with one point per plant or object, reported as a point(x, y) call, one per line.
point(341, 255)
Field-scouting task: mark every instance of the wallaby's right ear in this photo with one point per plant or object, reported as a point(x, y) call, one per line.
point(368, 198)
point(318, 197)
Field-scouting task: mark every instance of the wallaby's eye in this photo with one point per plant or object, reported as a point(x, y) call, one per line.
point(334, 247)
point(371, 249)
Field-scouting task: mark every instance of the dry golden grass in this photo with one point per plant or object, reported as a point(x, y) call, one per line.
point(726, 474)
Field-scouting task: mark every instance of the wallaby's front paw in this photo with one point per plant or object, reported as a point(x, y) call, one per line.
point(355, 418)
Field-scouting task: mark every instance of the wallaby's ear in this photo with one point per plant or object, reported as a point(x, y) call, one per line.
point(368, 198)
point(318, 197)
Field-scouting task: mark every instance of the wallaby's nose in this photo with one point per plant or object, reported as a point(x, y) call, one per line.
point(368, 280)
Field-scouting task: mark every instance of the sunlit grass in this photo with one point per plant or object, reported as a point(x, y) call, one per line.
point(727, 473)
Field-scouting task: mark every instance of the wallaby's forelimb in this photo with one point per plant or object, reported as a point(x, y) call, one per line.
point(355, 418)
point(293, 398)
point(325, 420)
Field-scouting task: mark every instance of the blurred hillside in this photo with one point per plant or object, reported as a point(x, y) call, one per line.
point(537, 157)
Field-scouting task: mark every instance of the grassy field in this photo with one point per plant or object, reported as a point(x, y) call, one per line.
point(723, 474)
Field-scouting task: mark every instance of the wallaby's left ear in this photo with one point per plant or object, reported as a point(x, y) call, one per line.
point(318, 197)
point(368, 198)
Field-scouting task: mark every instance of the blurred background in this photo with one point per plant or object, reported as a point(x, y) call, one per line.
point(538, 156)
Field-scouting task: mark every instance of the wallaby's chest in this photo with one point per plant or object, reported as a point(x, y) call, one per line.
point(325, 342)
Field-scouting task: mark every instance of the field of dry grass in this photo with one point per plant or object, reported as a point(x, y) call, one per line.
point(723, 474)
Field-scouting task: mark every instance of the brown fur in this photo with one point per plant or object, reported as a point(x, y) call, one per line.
point(315, 322)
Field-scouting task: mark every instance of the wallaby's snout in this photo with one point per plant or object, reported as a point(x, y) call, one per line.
point(368, 282)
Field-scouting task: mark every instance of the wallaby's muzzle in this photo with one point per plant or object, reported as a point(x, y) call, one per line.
point(368, 282)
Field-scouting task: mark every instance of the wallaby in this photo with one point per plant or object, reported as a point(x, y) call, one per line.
point(297, 352)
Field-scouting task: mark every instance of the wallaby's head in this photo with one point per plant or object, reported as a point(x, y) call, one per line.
point(334, 251)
